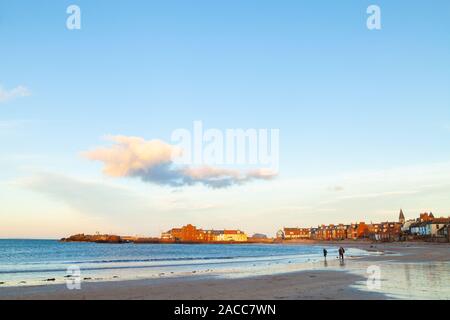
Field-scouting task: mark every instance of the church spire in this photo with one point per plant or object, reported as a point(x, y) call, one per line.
point(401, 217)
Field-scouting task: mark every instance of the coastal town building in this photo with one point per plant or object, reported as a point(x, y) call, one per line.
point(231, 235)
point(340, 232)
point(427, 227)
point(406, 227)
point(357, 231)
point(296, 233)
point(190, 233)
point(418, 229)
point(330, 232)
point(259, 236)
point(313, 232)
point(321, 233)
point(425, 217)
point(444, 232)
point(385, 231)
point(434, 226)
point(280, 235)
point(166, 236)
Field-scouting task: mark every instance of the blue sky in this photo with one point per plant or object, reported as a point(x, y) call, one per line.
point(363, 112)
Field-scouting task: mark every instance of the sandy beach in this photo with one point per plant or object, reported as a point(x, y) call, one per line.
point(408, 271)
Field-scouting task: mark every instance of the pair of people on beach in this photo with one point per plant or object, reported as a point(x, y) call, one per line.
point(341, 253)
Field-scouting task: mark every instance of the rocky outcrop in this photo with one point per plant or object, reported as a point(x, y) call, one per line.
point(98, 238)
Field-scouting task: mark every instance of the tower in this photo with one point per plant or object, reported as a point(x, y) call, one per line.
point(401, 217)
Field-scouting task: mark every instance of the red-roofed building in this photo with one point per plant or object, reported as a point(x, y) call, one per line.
point(190, 233)
point(297, 233)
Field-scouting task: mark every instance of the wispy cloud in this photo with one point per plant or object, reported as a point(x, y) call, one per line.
point(19, 91)
point(379, 194)
point(85, 196)
point(115, 208)
point(153, 161)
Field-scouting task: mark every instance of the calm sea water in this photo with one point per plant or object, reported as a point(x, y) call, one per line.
point(33, 262)
point(24, 262)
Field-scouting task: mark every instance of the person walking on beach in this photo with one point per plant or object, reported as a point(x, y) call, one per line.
point(341, 253)
point(325, 252)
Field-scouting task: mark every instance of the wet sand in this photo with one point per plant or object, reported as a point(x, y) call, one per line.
point(300, 285)
point(396, 251)
point(410, 270)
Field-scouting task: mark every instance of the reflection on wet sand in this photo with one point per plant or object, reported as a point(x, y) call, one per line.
point(413, 280)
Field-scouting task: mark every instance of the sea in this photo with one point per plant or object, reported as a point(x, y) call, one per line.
point(47, 262)
point(40, 262)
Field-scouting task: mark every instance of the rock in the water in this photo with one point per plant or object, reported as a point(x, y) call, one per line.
point(98, 238)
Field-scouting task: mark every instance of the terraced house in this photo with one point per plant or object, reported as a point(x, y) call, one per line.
point(427, 226)
point(296, 233)
point(190, 233)
point(385, 231)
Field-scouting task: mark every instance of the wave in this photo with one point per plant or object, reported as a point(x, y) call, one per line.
point(131, 260)
point(212, 260)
